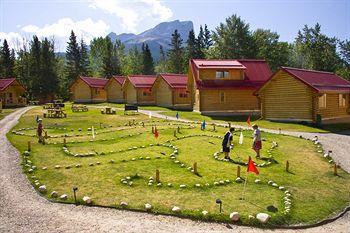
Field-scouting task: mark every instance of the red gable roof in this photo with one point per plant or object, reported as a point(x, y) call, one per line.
point(95, 82)
point(177, 81)
point(256, 72)
point(119, 79)
point(4, 83)
point(142, 81)
point(319, 80)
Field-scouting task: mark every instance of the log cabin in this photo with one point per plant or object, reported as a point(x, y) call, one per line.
point(138, 89)
point(114, 88)
point(300, 95)
point(171, 91)
point(226, 87)
point(89, 90)
point(12, 93)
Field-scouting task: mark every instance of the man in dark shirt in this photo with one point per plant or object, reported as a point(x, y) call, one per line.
point(226, 143)
point(39, 130)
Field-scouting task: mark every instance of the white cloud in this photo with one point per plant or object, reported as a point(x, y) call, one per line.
point(60, 31)
point(133, 13)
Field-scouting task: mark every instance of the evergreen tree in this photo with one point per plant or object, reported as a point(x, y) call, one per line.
point(48, 84)
point(7, 60)
point(107, 65)
point(233, 39)
point(22, 71)
point(314, 50)
point(84, 59)
point(344, 68)
point(200, 43)
point(162, 66)
point(34, 67)
point(207, 41)
point(148, 65)
point(175, 54)
point(73, 59)
point(190, 49)
point(134, 62)
point(97, 49)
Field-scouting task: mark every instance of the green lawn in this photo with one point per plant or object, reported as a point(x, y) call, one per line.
point(315, 192)
point(5, 112)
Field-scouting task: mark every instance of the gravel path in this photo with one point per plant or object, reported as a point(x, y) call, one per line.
point(23, 210)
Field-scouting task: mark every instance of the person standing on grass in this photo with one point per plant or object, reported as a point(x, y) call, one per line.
point(226, 143)
point(257, 145)
point(39, 131)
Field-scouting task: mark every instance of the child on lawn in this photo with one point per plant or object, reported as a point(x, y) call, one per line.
point(257, 145)
point(226, 143)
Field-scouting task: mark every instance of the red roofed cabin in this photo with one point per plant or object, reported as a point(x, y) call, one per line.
point(114, 88)
point(12, 93)
point(293, 94)
point(89, 90)
point(138, 89)
point(225, 87)
point(171, 91)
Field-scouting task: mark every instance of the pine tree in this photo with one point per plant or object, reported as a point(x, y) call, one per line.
point(107, 65)
point(84, 59)
point(48, 84)
point(148, 65)
point(22, 67)
point(200, 43)
point(207, 42)
point(8, 60)
point(175, 54)
point(162, 66)
point(73, 59)
point(133, 64)
point(34, 67)
point(190, 49)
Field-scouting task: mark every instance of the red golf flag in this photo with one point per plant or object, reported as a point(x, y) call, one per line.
point(248, 121)
point(156, 133)
point(251, 167)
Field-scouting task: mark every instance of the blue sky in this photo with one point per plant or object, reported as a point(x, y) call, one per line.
point(22, 18)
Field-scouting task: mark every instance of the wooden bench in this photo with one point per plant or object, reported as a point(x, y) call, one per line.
point(130, 107)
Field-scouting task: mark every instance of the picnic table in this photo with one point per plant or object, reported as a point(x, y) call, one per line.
point(79, 108)
point(108, 110)
point(55, 113)
point(48, 106)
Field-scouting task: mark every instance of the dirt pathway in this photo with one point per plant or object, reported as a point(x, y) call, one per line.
point(23, 210)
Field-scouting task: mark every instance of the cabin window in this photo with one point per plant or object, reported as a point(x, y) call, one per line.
point(222, 97)
point(97, 91)
point(342, 100)
point(222, 74)
point(322, 101)
point(146, 92)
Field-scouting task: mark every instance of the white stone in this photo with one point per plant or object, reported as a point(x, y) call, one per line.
point(123, 204)
point(57, 166)
point(148, 206)
point(42, 189)
point(63, 197)
point(176, 209)
point(204, 212)
point(198, 185)
point(234, 216)
point(250, 217)
point(263, 217)
point(281, 188)
point(182, 186)
point(87, 200)
point(257, 181)
point(170, 184)
point(238, 179)
point(54, 194)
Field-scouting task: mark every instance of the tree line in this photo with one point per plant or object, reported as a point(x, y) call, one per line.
point(44, 73)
